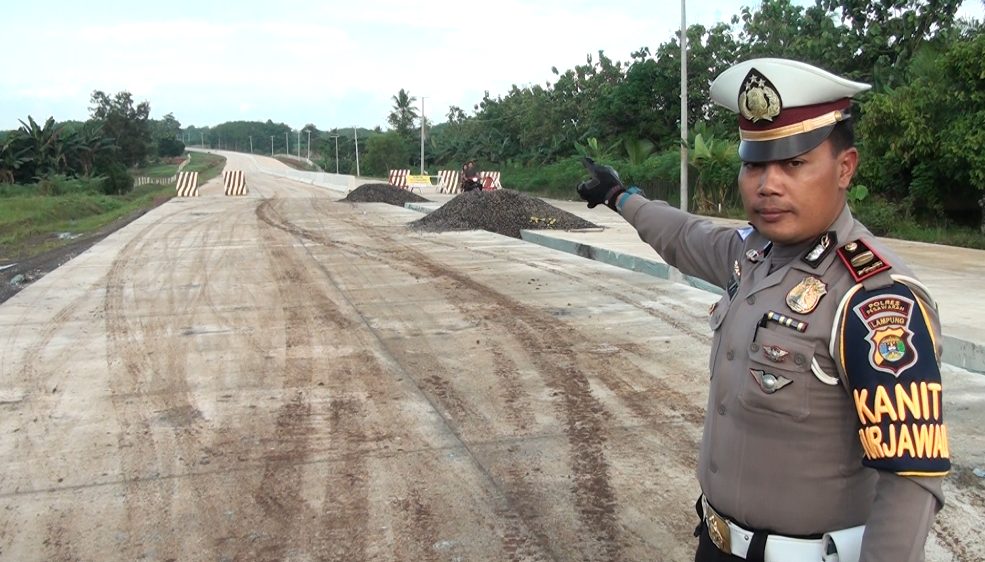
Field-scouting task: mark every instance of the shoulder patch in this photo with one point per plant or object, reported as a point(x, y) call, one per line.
point(887, 350)
point(861, 260)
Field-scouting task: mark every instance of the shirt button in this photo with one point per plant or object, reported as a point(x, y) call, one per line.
point(799, 359)
point(754, 347)
point(721, 410)
point(730, 355)
point(751, 299)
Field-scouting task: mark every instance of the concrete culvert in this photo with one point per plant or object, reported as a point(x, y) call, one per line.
point(502, 211)
point(383, 193)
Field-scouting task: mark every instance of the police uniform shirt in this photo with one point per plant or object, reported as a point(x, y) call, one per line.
point(819, 365)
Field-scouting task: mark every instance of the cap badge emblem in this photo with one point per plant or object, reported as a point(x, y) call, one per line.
point(758, 99)
point(803, 298)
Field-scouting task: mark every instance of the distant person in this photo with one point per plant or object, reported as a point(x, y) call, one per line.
point(824, 429)
point(470, 177)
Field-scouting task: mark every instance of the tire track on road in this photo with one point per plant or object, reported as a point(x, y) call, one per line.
point(147, 356)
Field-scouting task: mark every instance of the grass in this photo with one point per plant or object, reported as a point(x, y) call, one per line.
point(159, 171)
point(30, 222)
point(296, 164)
point(208, 166)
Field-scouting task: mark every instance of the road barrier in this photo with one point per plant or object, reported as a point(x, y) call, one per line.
point(188, 184)
point(490, 181)
point(448, 181)
point(144, 180)
point(234, 182)
point(398, 177)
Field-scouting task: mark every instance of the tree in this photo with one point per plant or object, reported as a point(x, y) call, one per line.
point(128, 125)
point(86, 144)
point(166, 128)
point(47, 155)
point(13, 155)
point(404, 113)
point(384, 152)
point(922, 141)
point(882, 36)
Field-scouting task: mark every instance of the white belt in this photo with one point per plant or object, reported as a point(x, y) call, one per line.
point(728, 537)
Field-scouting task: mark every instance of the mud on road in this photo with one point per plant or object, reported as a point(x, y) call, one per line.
point(300, 378)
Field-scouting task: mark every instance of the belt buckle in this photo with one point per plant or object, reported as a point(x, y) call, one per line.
point(718, 528)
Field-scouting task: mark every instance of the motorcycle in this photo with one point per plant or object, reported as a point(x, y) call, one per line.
point(472, 183)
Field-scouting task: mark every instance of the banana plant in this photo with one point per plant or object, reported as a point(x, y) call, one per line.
point(715, 162)
point(594, 150)
point(638, 150)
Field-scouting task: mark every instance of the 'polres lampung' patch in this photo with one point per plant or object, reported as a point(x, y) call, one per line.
point(888, 351)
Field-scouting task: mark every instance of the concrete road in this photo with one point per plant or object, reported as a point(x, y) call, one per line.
point(284, 376)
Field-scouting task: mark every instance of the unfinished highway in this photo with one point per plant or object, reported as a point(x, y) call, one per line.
point(287, 376)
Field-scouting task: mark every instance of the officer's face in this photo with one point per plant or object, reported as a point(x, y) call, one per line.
point(791, 201)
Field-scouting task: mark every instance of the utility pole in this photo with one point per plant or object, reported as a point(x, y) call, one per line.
point(287, 144)
point(336, 137)
point(355, 135)
point(422, 135)
point(683, 108)
point(309, 144)
point(251, 144)
point(203, 138)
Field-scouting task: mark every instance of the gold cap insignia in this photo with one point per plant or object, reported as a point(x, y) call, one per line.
point(758, 98)
point(803, 298)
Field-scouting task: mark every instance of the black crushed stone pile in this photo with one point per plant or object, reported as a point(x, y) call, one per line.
point(502, 211)
point(382, 193)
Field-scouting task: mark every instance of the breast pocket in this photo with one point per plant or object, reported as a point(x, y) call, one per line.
point(779, 378)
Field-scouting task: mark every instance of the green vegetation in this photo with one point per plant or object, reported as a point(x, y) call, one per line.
point(208, 166)
point(919, 129)
point(162, 170)
point(32, 215)
point(30, 222)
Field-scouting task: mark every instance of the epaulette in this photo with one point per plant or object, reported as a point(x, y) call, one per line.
point(862, 262)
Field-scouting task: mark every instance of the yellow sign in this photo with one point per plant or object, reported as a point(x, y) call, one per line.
point(418, 180)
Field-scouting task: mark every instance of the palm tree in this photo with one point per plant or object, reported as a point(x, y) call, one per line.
point(404, 114)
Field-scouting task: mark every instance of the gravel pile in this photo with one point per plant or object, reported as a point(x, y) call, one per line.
point(502, 211)
point(382, 193)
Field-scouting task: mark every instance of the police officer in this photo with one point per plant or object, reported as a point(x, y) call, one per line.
point(824, 436)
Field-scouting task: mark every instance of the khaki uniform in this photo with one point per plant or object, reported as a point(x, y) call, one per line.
point(782, 449)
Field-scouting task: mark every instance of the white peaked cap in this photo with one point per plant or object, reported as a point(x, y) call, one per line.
point(785, 107)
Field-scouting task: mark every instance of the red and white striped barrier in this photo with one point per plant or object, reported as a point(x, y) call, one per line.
point(490, 181)
point(235, 182)
point(188, 184)
point(398, 178)
point(448, 181)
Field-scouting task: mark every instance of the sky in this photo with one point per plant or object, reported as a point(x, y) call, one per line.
point(330, 63)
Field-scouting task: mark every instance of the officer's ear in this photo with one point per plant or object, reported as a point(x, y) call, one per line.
point(847, 162)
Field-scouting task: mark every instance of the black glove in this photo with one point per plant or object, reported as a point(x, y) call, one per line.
point(604, 187)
